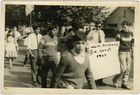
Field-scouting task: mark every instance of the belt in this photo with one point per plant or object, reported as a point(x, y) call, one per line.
point(34, 49)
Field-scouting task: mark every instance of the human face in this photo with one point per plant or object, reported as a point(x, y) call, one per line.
point(37, 30)
point(15, 29)
point(53, 32)
point(125, 28)
point(79, 46)
point(98, 26)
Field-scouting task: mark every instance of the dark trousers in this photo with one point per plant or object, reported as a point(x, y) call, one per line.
point(26, 57)
point(36, 74)
point(50, 63)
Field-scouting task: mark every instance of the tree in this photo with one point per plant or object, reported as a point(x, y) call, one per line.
point(15, 15)
point(71, 15)
point(75, 16)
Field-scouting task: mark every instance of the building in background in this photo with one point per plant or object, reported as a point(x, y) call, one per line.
point(119, 15)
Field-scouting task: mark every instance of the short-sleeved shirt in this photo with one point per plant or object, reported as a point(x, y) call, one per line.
point(33, 41)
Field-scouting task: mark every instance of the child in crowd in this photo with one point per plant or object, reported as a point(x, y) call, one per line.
point(11, 47)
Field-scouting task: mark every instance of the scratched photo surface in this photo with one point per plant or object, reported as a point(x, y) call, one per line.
point(61, 46)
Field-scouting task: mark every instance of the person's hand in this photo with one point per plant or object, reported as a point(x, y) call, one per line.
point(42, 62)
point(17, 49)
point(32, 56)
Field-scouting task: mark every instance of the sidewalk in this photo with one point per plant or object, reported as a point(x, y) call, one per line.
point(20, 76)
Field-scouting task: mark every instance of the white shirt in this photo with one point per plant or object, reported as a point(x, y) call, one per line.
point(93, 36)
point(80, 58)
point(6, 33)
point(32, 41)
point(17, 34)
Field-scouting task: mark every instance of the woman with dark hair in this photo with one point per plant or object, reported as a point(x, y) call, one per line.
point(73, 66)
point(11, 47)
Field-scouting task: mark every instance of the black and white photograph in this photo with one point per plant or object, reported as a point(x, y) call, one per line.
point(62, 46)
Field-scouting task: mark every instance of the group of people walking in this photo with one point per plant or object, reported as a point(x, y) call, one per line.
point(73, 67)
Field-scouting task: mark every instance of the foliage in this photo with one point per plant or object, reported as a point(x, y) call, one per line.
point(15, 15)
point(67, 15)
point(59, 15)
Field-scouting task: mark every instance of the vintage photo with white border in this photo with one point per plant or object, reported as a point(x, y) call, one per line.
point(69, 47)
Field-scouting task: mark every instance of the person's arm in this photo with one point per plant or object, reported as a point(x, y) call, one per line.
point(132, 45)
point(89, 77)
point(31, 53)
point(56, 48)
point(58, 72)
point(15, 41)
point(118, 37)
point(103, 36)
point(40, 47)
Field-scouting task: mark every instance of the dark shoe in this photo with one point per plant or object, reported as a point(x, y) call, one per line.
point(102, 84)
point(125, 87)
point(23, 65)
point(38, 82)
point(34, 83)
point(115, 84)
point(97, 82)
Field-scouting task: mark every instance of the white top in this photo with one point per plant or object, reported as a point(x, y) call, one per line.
point(32, 41)
point(80, 58)
point(17, 34)
point(93, 36)
point(6, 33)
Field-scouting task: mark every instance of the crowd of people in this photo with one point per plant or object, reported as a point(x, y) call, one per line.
point(73, 67)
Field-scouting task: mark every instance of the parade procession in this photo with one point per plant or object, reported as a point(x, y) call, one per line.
point(69, 47)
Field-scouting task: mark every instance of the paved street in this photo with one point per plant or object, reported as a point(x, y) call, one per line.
point(20, 76)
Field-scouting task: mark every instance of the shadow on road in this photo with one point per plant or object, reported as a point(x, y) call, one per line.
point(14, 84)
point(18, 79)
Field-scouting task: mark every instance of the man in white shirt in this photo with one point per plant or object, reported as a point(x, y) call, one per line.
point(97, 36)
point(32, 46)
point(27, 32)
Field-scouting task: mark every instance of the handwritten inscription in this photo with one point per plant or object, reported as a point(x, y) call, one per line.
point(99, 51)
point(103, 49)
